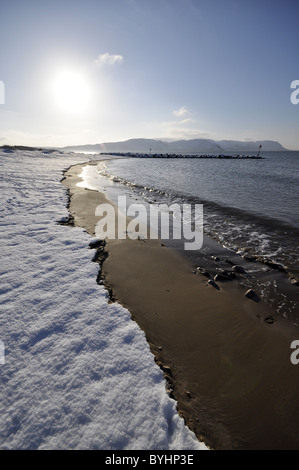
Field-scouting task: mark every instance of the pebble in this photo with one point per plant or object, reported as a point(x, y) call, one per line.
point(269, 320)
point(96, 242)
point(225, 276)
point(252, 295)
point(214, 284)
point(204, 272)
point(239, 269)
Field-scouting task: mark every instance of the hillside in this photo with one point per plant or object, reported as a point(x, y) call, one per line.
point(179, 146)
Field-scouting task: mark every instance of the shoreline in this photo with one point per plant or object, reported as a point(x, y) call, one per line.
point(228, 370)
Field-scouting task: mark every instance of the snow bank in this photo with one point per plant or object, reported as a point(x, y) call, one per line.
point(78, 372)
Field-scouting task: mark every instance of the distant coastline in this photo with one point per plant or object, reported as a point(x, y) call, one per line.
point(199, 146)
point(202, 147)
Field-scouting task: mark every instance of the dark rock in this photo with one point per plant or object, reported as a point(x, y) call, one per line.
point(231, 275)
point(167, 370)
point(269, 320)
point(159, 363)
point(250, 258)
point(169, 380)
point(252, 295)
point(215, 258)
point(214, 284)
point(229, 261)
point(220, 278)
point(170, 391)
point(100, 255)
point(239, 269)
point(204, 272)
point(100, 280)
point(224, 276)
point(69, 220)
point(273, 265)
point(111, 295)
point(96, 243)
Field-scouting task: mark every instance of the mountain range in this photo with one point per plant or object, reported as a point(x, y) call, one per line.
point(178, 146)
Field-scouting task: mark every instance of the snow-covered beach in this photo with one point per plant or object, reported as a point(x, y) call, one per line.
point(78, 372)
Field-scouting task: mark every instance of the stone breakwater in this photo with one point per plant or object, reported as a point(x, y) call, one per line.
point(173, 155)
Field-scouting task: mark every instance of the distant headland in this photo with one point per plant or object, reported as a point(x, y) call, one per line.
point(199, 146)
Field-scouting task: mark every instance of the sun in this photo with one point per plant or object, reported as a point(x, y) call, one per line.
point(71, 91)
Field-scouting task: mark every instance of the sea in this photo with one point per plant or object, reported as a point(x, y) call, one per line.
point(250, 206)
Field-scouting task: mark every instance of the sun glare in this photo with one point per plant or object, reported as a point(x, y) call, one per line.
point(71, 91)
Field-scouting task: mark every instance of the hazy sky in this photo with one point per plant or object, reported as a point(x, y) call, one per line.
point(91, 71)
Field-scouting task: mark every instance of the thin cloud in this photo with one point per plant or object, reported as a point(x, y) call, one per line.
point(109, 59)
point(184, 129)
point(182, 122)
point(181, 133)
point(186, 121)
point(183, 111)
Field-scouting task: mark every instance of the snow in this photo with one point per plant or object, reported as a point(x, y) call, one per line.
point(78, 372)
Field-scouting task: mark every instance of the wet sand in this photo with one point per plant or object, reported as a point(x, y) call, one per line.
point(227, 368)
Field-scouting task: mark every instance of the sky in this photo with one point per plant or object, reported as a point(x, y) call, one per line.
point(78, 72)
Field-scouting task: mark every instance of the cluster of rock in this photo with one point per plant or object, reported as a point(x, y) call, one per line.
point(222, 275)
point(173, 155)
point(238, 272)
